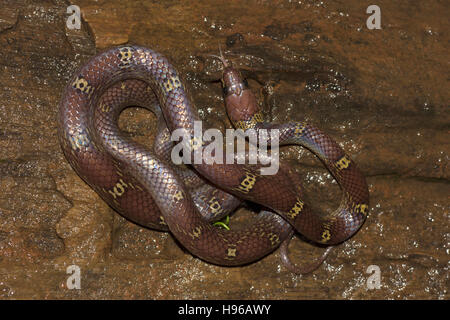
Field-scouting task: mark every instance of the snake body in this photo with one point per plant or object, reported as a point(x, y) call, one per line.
point(144, 186)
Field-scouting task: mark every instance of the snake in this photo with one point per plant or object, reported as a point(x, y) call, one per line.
point(143, 184)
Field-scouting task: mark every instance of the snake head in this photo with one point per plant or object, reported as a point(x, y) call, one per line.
point(240, 102)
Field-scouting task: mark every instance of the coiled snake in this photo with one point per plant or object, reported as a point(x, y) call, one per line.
point(144, 186)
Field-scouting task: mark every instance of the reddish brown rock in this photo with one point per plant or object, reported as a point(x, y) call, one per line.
point(383, 94)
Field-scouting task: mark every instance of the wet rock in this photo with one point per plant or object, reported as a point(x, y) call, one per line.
point(380, 93)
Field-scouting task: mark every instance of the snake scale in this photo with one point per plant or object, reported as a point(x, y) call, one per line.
point(145, 187)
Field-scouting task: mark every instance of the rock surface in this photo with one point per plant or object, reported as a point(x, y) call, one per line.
point(383, 94)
